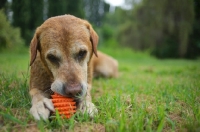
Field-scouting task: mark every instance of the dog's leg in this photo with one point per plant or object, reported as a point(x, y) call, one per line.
point(105, 66)
point(86, 105)
point(41, 105)
point(40, 83)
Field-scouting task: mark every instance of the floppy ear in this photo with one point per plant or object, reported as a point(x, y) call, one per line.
point(33, 49)
point(94, 40)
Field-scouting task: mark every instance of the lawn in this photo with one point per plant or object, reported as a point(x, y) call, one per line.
point(148, 95)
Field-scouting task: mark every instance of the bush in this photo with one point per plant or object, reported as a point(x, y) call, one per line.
point(106, 35)
point(9, 36)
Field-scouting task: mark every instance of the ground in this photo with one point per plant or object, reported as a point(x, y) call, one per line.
point(148, 95)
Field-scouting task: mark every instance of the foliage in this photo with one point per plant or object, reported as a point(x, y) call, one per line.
point(148, 95)
point(95, 11)
point(106, 35)
point(36, 8)
point(62, 7)
point(194, 40)
point(110, 28)
point(27, 14)
point(163, 26)
point(2, 3)
point(9, 36)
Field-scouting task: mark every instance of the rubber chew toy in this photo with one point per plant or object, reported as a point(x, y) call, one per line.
point(65, 106)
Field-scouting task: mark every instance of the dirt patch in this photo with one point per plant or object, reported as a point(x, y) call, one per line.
point(29, 128)
point(89, 127)
point(98, 92)
point(13, 84)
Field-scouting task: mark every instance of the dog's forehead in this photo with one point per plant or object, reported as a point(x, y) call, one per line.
point(67, 25)
point(64, 30)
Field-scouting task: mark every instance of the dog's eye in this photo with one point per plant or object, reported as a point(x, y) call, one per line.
point(82, 54)
point(53, 59)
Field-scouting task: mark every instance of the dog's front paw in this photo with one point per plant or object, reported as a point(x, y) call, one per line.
point(42, 109)
point(89, 108)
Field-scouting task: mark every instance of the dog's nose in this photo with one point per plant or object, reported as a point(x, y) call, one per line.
point(73, 89)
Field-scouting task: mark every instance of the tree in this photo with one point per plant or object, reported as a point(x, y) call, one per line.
point(27, 14)
point(61, 7)
point(56, 7)
point(95, 11)
point(9, 36)
point(2, 3)
point(21, 17)
point(163, 26)
point(75, 9)
point(194, 40)
point(36, 12)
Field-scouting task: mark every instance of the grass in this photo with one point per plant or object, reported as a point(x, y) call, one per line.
point(149, 95)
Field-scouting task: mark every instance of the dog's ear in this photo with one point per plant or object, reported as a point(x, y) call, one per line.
point(94, 39)
point(33, 49)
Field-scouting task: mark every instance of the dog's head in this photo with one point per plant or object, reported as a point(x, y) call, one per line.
point(65, 45)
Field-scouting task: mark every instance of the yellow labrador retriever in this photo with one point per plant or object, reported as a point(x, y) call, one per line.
point(62, 61)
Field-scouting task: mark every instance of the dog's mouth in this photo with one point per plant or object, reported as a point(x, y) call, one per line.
point(78, 99)
point(72, 91)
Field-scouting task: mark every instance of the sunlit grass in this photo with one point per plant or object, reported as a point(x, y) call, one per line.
point(14, 63)
point(149, 95)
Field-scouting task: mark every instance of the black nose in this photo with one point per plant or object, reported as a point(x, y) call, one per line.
point(73, 89)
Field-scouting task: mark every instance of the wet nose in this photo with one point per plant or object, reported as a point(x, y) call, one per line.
point(73, 89)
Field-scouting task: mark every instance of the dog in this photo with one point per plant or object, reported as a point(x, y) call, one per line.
point(63, 59)
point(104, 66)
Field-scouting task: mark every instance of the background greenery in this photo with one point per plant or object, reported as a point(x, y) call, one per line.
point(167, 29)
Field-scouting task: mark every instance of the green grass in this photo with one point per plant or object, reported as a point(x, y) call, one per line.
point(14, 63)
point(149, 95)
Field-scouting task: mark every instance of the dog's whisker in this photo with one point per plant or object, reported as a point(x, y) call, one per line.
point(48, 91)
point(80, 96)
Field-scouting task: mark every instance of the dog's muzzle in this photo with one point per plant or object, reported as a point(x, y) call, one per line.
point(75, 90)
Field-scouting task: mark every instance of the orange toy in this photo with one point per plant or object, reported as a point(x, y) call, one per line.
point(65, 106)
